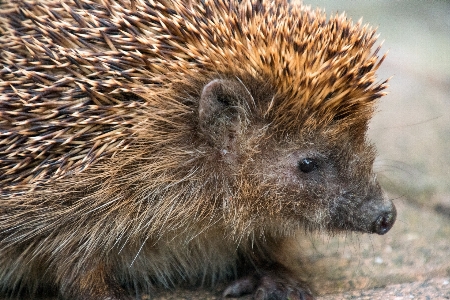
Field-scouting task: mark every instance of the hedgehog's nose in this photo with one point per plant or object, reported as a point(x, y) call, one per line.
point(385, 219)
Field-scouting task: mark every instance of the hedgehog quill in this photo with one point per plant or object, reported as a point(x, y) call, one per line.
point(156, 143)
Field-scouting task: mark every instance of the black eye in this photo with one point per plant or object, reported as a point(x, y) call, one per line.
point(307, 165)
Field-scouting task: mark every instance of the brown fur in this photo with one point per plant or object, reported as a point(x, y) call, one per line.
point(157, 142)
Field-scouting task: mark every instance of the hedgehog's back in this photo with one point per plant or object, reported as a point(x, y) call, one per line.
point(79, 79)
point(65, 88)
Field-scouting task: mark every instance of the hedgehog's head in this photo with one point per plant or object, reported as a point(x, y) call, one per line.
point(285, 101)
point(317, 175)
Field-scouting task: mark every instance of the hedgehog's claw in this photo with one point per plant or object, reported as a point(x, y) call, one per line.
point(242, 286)
point(273, 288)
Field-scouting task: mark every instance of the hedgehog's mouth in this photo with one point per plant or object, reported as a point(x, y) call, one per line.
point(379, 222)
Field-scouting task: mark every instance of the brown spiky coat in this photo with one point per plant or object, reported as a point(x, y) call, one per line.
point(109, 173)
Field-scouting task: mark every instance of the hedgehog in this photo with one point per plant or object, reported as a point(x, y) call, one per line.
point(149, 144)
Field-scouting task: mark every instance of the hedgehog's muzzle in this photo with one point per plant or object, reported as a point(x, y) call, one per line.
point(371, 213)
point(376, 215)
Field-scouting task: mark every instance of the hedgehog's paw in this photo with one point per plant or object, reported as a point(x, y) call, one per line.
point(274, 287)
point(268, 285)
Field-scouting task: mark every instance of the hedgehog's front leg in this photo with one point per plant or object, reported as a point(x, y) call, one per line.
point(97, 283)
point(272, 283)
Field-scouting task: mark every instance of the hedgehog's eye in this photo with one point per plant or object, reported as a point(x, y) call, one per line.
point(307, 165)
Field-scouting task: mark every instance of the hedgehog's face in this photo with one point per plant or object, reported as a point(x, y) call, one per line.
point(326, 182)
point(315, 178)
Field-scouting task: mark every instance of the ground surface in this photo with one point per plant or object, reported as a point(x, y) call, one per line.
point(410, 262)
point(412, 133)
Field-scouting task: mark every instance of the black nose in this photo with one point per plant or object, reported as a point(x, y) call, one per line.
point(384, 221)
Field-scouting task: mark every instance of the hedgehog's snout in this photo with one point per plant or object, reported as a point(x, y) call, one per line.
point(385, 219)
point(375, 214)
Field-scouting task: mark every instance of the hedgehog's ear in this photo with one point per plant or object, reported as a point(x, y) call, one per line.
point(218, 110)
